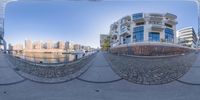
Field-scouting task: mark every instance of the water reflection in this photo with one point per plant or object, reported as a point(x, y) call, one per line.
point(49, 57)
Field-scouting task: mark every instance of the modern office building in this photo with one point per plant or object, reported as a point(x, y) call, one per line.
point(69, 46)
point(103, 37)
point(49, 45)
point(77, 46)
point(28, 44)
point(2, 17)
point(144, 27)
point(17, 47)
point(61, 45)
point(187, 37)
point(37, 45)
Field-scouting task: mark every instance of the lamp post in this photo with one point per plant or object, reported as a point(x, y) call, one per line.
point(3, 4)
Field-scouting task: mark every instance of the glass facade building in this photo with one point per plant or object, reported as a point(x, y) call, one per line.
point(138, 34)
point(2, 15)
point(137, 16)
point(154, 36)
point(169, 35)
point(144, 27)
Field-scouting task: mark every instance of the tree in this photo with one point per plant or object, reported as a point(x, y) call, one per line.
point(106, 44)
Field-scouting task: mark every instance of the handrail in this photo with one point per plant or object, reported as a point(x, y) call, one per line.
point(34, 61)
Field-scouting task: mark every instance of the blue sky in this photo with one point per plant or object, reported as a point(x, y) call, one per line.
point(83, 21)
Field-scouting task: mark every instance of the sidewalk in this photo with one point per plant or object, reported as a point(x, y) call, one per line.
point(193, 75)
point(7, 74)
point(99, 71)
point(91, 86)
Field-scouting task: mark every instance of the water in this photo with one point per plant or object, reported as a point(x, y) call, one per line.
point(49, 57)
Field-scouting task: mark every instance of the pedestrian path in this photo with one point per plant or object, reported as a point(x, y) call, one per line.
point(7, 74)
point(99, 71)
point(193, 75)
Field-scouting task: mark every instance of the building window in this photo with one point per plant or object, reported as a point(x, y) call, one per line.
point(137, 16)
point(169, 35)
point(155, 22)
point(154, 36)
point(1, 42)
point(124, 28)
point(140, 23)
point(168, 25)
point(126, 39)
point(138, 34)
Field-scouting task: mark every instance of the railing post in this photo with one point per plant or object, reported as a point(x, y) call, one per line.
point(34, 61)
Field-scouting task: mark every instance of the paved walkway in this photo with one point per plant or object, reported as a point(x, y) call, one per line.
point(193, 75)
point(78, 89)
point(7, 74)
point(99, 71)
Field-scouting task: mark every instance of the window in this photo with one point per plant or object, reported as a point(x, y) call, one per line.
point(169, 35)
point(140, 23)
point(138, 34)
point(168, 25)
point(155, 22)
point(124, 28)
point(137, 16)
point(1, 41)
point(154, 36)
point(127, 39)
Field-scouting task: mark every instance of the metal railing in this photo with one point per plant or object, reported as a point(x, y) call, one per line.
point(67, 58)
point(50, 70)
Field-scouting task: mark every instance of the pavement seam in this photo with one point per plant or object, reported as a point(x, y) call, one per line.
point(187, 83)
point(99, 81)
point(12, 83)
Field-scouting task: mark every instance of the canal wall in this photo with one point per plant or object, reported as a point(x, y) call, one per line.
point(151, 49)
point(50, 73)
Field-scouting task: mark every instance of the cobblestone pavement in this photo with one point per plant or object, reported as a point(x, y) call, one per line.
point(143, 70)
point(48, 73)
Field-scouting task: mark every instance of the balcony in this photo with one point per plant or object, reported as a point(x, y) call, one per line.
point(114, 36)
point(139, 20)
point(171, 22)
point(125, 31)
point(126, 20)
point(170, 16)
point(157, 27)
point(153, 18)
point(114, 26)
point(139, 17)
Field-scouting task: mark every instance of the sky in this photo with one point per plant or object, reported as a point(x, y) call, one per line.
point(83, 21)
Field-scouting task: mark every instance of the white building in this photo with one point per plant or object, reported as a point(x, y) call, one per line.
point(61, 45)
point(144, 27)
point(28, 44)
point(69, 46)
point(37, 45)
point(16, 47)
point(77, 46)
point(49, 45)
point(187, 37)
